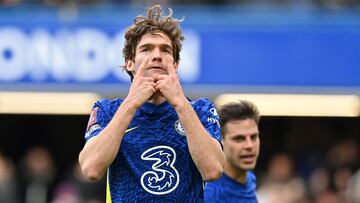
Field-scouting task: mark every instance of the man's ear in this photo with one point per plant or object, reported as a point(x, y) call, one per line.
point(129, 64)
point(176, 66)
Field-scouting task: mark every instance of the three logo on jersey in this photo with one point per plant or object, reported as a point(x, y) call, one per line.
point(163, 177)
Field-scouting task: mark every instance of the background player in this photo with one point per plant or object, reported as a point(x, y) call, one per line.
point(239, 129)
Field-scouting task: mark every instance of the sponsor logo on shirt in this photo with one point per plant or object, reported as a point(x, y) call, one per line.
point(162, 178)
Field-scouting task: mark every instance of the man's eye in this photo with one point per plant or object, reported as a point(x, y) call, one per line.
point(239, 139)
point(166, 50)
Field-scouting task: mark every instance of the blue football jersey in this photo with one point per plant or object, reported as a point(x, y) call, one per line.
point(228, 190)
point(154, 163)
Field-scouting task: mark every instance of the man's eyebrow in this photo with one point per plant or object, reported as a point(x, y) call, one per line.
point(167, 46)
point(238, 136)
point(151, 45)
point(145, 45)
point(241, 135)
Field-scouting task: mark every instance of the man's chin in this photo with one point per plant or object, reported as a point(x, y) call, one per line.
point(247, 167)
point(157, 94)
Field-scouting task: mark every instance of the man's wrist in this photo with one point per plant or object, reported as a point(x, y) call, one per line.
point(130, 105)
point(182, 105)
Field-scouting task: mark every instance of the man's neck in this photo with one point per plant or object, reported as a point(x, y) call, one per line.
point(236, 174)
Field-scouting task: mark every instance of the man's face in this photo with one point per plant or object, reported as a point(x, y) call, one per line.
point(158, 48)
point(241, 144)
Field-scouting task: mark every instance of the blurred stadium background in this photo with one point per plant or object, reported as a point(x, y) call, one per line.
point(298, 60)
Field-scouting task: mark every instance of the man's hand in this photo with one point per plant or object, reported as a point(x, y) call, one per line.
point(169, 85)
point(142, 87)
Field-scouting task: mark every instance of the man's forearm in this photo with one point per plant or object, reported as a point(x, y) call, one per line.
point(206, 152)
point(100, 151)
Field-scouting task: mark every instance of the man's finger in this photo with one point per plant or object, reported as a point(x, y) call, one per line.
point(149, 79)
point(142, 68)
point(170, 65)
point(161, 77)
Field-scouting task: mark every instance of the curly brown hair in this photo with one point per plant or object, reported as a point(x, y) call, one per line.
point(155, 21)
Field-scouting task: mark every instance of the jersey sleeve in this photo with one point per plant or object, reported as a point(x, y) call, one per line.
point(212, 192)
point(97, 121)
point(209, 118)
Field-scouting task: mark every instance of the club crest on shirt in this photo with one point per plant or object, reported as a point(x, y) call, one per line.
point(179, 128)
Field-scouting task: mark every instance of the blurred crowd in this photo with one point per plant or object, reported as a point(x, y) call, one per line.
point(273, 3)
point(334, 178)
point(36, 180)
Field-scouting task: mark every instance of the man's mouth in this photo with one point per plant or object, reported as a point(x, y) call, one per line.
point(248, 158)
point(156, 68)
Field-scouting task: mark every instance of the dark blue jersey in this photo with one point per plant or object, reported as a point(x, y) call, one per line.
point(228, 190)
point(154, 163)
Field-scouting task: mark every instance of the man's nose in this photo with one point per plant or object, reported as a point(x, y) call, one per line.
point(249, 143)
point(156, 55)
